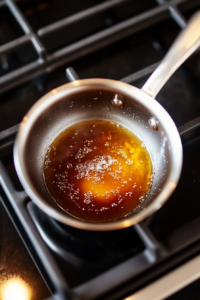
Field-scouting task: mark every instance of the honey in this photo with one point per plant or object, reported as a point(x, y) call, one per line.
point(98, 171)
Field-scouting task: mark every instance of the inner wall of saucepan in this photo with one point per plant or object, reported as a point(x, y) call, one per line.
point(95, 104)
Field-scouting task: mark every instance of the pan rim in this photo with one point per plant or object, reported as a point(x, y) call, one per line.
point(132, 92)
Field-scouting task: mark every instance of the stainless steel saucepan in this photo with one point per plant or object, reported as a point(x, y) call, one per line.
point(93, 99)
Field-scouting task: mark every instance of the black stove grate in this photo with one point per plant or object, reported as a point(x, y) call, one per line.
point(157, 251)
point(114, 23)
point(177, 247)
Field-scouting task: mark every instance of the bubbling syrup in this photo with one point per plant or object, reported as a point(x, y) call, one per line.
point(98, 171)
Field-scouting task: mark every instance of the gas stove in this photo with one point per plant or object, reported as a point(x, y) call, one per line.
point(117, 39)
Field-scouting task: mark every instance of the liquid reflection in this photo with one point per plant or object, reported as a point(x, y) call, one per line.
point(15, 289)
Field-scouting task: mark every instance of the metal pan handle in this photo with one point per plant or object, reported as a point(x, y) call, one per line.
point(185, 44)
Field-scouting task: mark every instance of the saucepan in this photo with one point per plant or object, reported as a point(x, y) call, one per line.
point(119, 102)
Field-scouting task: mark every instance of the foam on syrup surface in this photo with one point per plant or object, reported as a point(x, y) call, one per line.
point(98, 171)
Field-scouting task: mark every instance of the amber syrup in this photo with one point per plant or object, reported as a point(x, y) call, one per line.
point(98, 171)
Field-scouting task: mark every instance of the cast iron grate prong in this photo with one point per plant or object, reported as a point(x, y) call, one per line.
point(71, 74)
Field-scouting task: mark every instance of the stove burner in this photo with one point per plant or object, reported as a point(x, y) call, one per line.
point(80, 247)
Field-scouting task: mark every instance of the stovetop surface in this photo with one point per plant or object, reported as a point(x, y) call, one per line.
point(16, 263)
point(85, 255)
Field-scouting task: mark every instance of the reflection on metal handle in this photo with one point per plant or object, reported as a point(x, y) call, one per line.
point(186, 43)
